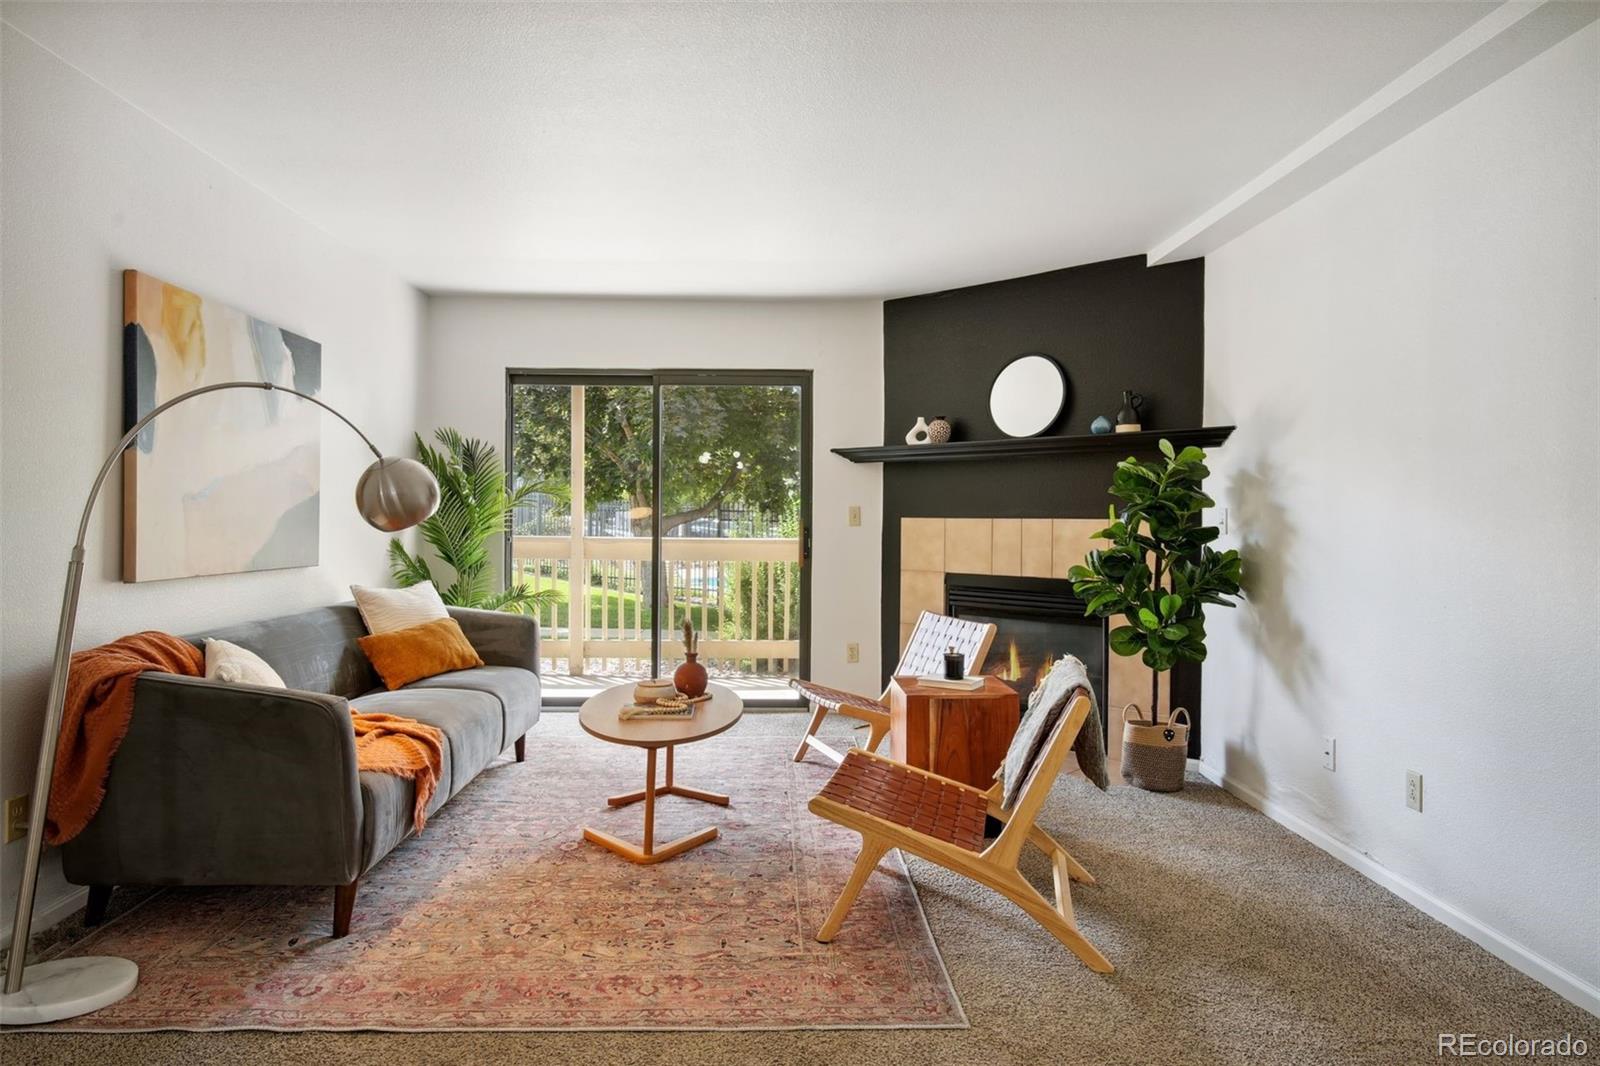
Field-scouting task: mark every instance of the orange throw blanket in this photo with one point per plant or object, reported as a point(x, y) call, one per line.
point(99, 708)
point(404, 747)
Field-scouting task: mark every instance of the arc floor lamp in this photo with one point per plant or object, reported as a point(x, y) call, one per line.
point(392, 494)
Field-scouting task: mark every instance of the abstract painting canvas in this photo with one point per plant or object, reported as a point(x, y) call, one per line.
point(226, 482)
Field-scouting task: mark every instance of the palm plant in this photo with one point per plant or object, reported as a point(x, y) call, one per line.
point(1160, 570)
point(474, 506)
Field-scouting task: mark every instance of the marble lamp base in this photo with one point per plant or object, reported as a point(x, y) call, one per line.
point(66, 988)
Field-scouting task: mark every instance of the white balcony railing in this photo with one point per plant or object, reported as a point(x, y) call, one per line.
point(741, 593)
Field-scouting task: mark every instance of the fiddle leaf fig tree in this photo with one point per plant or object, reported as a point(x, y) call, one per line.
point(1160, 570)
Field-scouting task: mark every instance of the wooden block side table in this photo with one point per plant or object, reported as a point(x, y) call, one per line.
point(961, 735)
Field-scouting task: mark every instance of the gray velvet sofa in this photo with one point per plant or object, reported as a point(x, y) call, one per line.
point(221, 784)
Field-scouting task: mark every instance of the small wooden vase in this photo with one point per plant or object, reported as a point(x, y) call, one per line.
point(691, 676)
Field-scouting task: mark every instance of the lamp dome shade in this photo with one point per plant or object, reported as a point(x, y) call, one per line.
point(395, 494)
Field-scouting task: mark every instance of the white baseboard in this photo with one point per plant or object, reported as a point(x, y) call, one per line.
point(1563, 982)
point(48, 913)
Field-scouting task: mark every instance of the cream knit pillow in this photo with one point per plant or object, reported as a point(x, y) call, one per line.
point(229, 663)
point(385, 610)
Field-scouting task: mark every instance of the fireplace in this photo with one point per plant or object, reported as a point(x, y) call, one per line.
point(1039, 620)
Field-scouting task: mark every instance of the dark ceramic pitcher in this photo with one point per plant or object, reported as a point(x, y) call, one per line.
point(1132, 409)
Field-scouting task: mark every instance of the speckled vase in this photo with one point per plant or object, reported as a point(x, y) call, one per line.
point(938, 430)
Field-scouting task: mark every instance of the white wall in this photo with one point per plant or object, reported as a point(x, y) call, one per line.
point(1410, 356)
point(90, 186)
point(473, 339)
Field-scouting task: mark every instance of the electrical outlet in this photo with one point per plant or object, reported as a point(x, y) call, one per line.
point(854, 517)
point(1328, 751)
point(1413, 790)
point(16, 818)
point(852, 653)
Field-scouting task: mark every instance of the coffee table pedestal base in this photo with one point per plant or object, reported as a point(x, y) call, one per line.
point(648, 852)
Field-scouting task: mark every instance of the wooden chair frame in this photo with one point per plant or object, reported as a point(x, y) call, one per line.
point(997, 865)
point(876, 720)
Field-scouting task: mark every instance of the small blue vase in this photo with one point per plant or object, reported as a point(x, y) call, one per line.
point(1100, 425)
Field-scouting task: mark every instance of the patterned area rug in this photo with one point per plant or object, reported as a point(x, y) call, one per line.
point(500, 916)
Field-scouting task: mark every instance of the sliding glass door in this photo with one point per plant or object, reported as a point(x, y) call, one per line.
point(658, 498)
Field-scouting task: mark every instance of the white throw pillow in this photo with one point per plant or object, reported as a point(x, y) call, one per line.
point(227, 662)
point(386, 610)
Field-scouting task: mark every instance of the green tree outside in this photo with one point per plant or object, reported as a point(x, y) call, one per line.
point(724, 446)
point(721, 444)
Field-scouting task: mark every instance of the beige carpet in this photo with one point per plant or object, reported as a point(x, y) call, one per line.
point(1235, 942)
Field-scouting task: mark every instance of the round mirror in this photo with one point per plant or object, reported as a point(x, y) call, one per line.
point(1028, 395)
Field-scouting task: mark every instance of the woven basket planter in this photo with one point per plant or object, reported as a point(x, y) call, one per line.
point(1154, 754)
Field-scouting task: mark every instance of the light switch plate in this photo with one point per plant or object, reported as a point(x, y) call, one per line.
point(1329, 746)
point(852, 653)
point(855, 514)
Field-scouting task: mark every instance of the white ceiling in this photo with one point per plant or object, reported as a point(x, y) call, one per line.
point(761, 150)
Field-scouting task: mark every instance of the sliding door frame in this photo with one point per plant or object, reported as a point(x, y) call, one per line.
point(657, 379)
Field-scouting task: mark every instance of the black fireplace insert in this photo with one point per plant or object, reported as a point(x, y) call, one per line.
point(1039, 620)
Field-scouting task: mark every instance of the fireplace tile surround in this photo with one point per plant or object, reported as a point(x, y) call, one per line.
point(1018, 547)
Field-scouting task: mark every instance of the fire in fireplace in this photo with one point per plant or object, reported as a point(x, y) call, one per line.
point(1038, 619)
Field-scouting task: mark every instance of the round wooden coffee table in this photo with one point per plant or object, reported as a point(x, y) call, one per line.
point(598, 717)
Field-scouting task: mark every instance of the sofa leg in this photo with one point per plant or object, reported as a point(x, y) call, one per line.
point(99, 899)
point(522, 748)
point(344, 904)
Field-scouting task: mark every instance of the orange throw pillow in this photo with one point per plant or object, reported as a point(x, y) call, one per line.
point(402, 656)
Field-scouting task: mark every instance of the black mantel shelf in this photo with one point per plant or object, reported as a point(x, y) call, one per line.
point(1092, 443)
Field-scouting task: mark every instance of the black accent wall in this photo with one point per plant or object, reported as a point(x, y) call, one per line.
point(1111, 326)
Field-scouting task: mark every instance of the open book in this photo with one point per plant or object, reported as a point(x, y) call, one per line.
point(966, 684)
